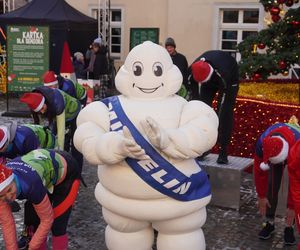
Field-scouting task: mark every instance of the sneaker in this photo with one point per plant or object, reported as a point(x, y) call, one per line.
point(267, 231)
point(25, 238)
point(222, 159)
point(289, 238)
point(23, 242)
point(202, 157)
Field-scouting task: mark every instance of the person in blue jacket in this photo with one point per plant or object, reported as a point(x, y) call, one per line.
point(50, 180)
point(17, 140)
point(70, 87)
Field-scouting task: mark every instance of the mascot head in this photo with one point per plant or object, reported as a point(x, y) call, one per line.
point(148, 73)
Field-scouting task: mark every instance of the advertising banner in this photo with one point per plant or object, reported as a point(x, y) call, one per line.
point(27, 56)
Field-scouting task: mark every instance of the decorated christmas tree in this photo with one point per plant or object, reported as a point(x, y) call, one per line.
point(275, 49)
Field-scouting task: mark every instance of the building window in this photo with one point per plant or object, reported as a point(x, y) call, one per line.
point(235, 25)
point(116, 23)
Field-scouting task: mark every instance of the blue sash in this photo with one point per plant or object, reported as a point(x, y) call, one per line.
point(158, 172)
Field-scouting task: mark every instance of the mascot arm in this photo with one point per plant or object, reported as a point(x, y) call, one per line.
point(114, 147)
point(198, 129)
point(197, 132)
point(92, 124)
point(99, 145)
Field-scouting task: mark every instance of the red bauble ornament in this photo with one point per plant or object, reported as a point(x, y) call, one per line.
point(281, 1)
point(282, 64)
point(261, 45)
point(275, 11)
point(256, 76)
point(295, 24)
point(289, 3)
point(275, 18)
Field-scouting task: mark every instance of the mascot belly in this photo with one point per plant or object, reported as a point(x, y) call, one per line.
point(144, 142)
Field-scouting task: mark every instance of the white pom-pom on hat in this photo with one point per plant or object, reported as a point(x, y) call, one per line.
point(264, 166)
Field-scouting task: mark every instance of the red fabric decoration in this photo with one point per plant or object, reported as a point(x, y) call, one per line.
point(251, 118)
point(66, 65)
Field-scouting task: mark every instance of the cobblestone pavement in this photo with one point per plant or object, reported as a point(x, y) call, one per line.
point(225, 229)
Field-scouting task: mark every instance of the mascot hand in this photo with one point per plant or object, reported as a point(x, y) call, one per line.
point(130, 148)
point(156, 135)
point(164, 140)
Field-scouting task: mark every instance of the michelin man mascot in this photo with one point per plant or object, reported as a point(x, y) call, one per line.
point(144, 142)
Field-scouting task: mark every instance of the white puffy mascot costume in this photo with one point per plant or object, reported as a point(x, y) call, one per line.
point(144, 142)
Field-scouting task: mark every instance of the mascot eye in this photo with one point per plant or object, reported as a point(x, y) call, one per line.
point(137, 68)
point(157, 69)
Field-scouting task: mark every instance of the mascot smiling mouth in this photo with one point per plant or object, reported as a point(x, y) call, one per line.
point(148, 90)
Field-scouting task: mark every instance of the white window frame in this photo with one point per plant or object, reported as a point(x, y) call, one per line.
point(118, 56)
point(218, 26)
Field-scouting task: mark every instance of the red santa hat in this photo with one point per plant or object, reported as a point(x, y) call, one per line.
point(3, 136)
point(276, 146)
point(49, 78)
point(202, 71)
point(35, 101)
point(6, 176)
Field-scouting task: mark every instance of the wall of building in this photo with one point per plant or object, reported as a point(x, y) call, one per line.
point(192, 23)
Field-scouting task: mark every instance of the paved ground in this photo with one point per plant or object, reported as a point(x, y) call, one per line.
point(225, 229)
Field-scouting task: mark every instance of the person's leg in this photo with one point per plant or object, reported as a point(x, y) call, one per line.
point(274, 183)
point(63, 199)
point(68, 137)
point(207, 95)
point(59, 231)
point(289, 236)
point(193, 88)
point(31, 223)
point(226, 102)
point(75, 153)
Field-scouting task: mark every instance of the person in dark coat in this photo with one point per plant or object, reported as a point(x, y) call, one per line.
point(217, 72)
point(178, 59)
point(79, 65)
point(98, 68)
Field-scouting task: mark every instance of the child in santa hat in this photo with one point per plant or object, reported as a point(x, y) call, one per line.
point(17, 140)
point(70, 87)
point(294, 180)
point(50, 180)
point(59, 108)
point(270, 158)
